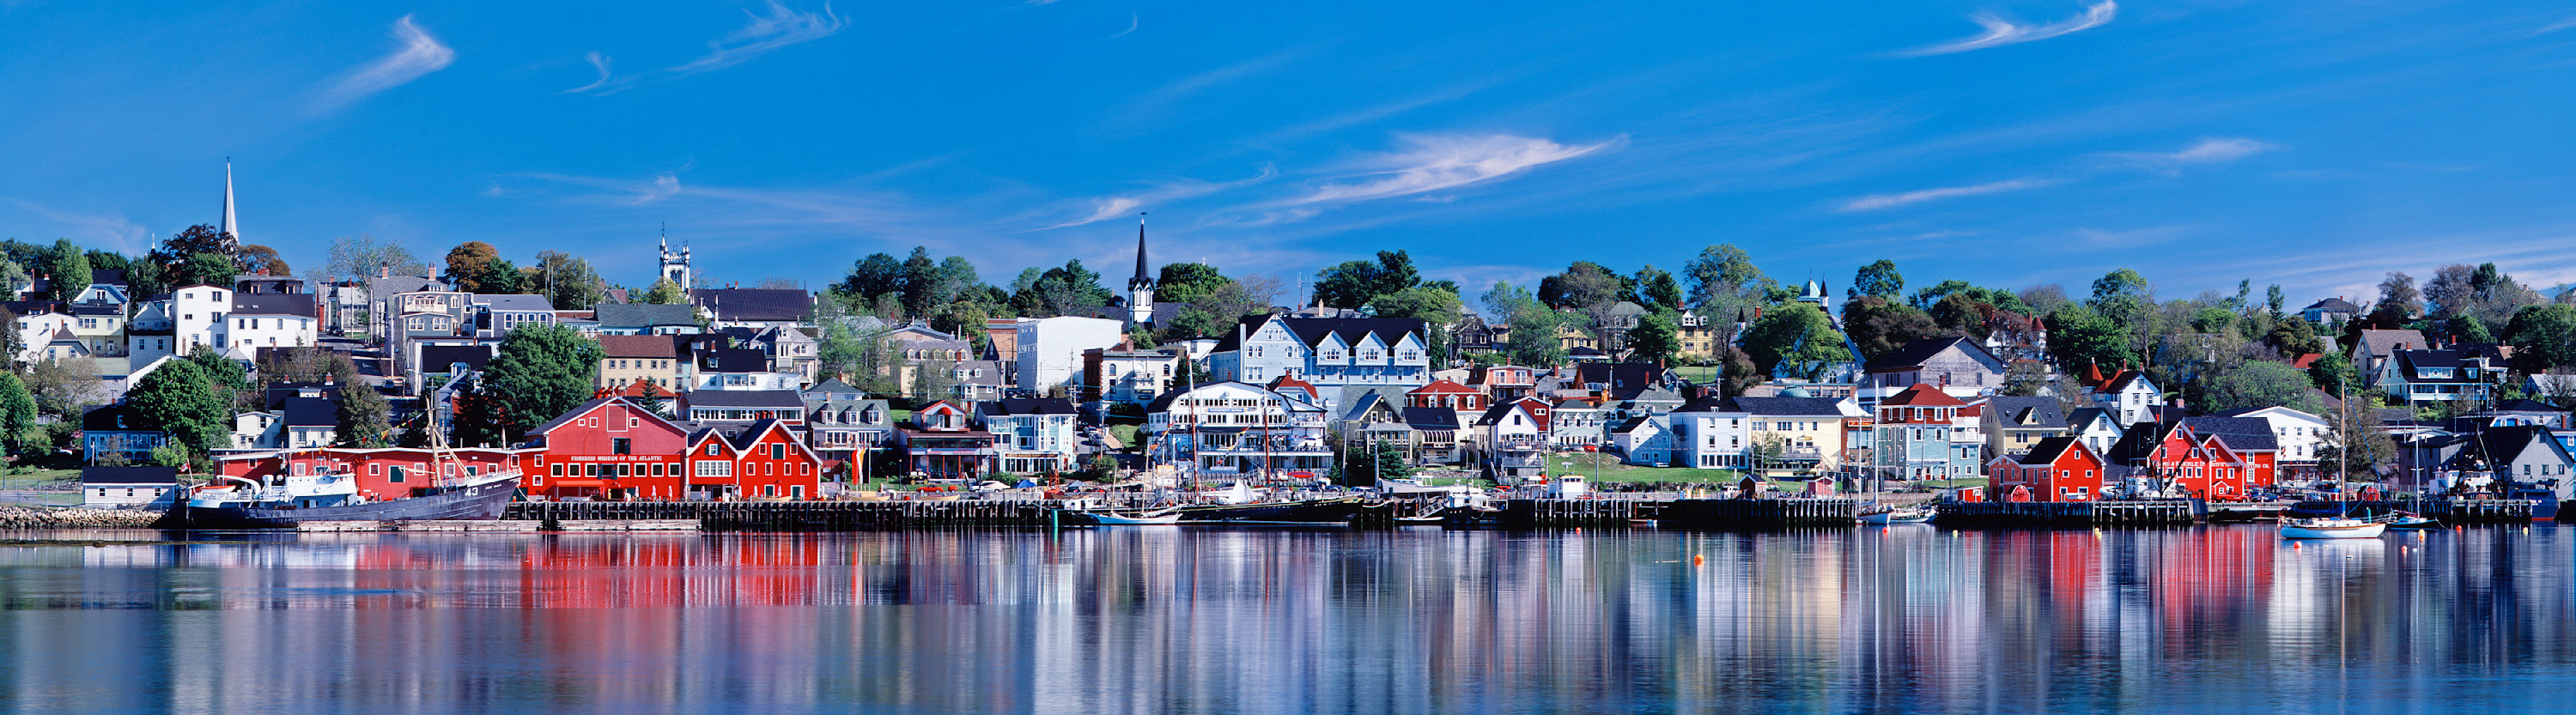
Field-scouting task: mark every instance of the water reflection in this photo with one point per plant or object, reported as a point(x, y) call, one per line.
point(1170, 620)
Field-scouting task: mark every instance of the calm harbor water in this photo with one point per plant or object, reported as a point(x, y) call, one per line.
point(1173, 620)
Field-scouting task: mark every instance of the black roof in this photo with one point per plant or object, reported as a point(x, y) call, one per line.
point(1919, 351)
point(116, 418)
point(738, 360)
point(2027, 411)
point(1817, 406)
point(2333, 305)
point(2238, 433)
point(311, 412)
point(2048, 449)
point(1431, 418)
point(765, 304)
point(153, 476)
point(1625, 380)
point(2503, 445)
point(2414, 360)
point(642, 316)
point(1026, 406)
point(2523, 406)
point(274, 304)
point(436, 358)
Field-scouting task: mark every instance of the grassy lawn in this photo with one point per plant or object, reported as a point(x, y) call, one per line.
point(23, 477)
point(1698, 373)
point(1608, 469)
point(1126, 434)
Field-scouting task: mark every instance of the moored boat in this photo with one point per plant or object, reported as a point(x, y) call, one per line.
point(2331, 528)
point(1898, 516)
point(1152, 518)
point(1329, 512)
point(2406, 520)
point(334, 497)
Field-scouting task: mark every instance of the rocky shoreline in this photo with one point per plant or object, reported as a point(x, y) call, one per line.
point(25, 517)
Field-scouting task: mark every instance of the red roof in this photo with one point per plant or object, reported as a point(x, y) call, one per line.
point(1922, 395)
point(1444, 387)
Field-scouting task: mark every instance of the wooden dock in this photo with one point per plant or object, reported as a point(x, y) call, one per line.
point(2161, 512)
point(1756, 514)
point(487, 526)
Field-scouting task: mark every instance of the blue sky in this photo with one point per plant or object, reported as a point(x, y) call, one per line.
point(2313, 144)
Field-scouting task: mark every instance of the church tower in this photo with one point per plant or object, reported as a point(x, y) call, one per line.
point(675, 266)
point(228, 228)
point(1140, 289)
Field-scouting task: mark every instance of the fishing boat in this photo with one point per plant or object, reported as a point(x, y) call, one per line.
point(2332, 528)
point(1912, 515)
point(285, 501)
point(2406, 520)
point(1322, 512)
point(1152, 518)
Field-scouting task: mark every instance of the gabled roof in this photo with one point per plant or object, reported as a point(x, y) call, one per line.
point(1444, 387)
point(2087, 415)
point(2333, 305)
point(2412, 363)
point(437, 358)
point(2506, 444)
point(116, 418)
point(2383, 342)
point(762, 304)
point(516, 302)
point(2028, 411)
point(586, 407)
point(1914, 354)
point(131, 476)
point(1626, 380)
point(1921, 395)
point(2524, 406)
point(738, 360)
point(2242, 434)
point(2048, 449)
point(1312, 331)
point(312, 412)
point(2121, 381)
point(830, 385)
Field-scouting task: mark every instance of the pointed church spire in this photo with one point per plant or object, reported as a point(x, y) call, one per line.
point(228, 227)
point(1144, 279)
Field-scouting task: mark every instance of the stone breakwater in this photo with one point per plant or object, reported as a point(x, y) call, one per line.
point(21, 517)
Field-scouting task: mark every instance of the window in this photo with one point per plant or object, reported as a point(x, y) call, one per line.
point(711, 450)
point(714, 468)
point(778, 451)
point(621, 445)
point(559, 470)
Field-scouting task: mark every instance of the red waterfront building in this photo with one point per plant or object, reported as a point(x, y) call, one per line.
point(2176, 456)
point(614, 448)
point(2055, 469)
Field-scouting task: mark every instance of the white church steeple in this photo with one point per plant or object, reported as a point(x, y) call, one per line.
point(228, 227)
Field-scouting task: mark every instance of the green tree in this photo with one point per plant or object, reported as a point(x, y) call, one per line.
point(500, 278)
point(2354, 447)
point(11, 343)
point(175, 252)
point(2399, 302)
point(567, 281)
point(2025, 378)
point(1583, 286)
point(877, 274)
point(2123, 296)
point(2081, 338)
point(1355, 283)
point(1795, 338)
point(1532, 340)
point(1437, 308)
point(365, 256)
point(362, 413)
point(468, 264)
point(484, 417)
point(261, 260)
point(2259, 383)
point(2294, 338)
point(544, 371)
point(1654, 339)
point(1878, 279)
point(1656, 289)
point(1879, 327)
point(921, 283)
point(207, 269)
point(179, 399)
point(1964, 314)
point(2543, 337)
point(67, 270)
point(1064, 290)
point(1724, 278)
point(665, 292)
point(17, 412)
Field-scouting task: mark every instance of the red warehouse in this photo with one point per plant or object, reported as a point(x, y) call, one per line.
point(2055, 469)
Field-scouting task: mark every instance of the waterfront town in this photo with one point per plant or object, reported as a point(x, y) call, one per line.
point(209, 358)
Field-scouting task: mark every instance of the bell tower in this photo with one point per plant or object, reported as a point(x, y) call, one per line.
point(675, 266)
point(1140, 289)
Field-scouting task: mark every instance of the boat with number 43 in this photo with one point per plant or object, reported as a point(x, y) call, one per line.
point(312, 489)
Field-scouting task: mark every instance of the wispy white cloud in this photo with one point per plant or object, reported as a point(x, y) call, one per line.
point(419, 55)
point(2553, 27)
point(1875, 202)
point(1109, 207)
point(2000, 31)
point(1155, 105)
point(1442, 162)
point(664, 186)
point(598, 62)
point(2134, 238)
point(1133, 21)
point(96, 230)
point(2210, 150)
point(778, 28)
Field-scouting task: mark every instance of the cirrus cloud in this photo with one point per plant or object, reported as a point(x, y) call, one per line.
point(1875, 202)
point(1441, 162)
point(419, 55)
point(2000, 32)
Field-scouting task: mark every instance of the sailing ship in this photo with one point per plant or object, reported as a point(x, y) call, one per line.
point(286, 501)
point(2332, 528)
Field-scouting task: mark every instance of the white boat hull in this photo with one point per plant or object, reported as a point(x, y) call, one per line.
point(2369, 530)
point(1140, 520)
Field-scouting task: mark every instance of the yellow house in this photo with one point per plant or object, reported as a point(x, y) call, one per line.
point(650, 359)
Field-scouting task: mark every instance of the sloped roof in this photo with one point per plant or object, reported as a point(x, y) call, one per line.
point(2524, 406)
point(1431, 418)
point(1312, 331)
point(2506, 444)
point(131, 476)
point(2333, 305)
point(643, 316)
point(1795, 406)
point(116, 418)
point(764, 304)
point(2411, 363)
point(2242, 434)
point(312, 412)
point(2383, 342)
point(440, 357)
point(1443, 387)
point(1922, 395)
point(1914, 354)
point(273, 304)
point(738, 360)
point(1025, 406)
point(2048, 449)
point(2028, 411)
point(639, 346)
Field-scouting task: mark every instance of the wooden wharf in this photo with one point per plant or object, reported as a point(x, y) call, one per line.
point(1756, 514)
point(2161, 512)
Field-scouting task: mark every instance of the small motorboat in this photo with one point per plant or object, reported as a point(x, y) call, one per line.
point(1898, 516)
point(2404, 520)
point(2331, 528)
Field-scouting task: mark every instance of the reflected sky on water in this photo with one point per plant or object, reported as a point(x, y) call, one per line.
point(1178, 620)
